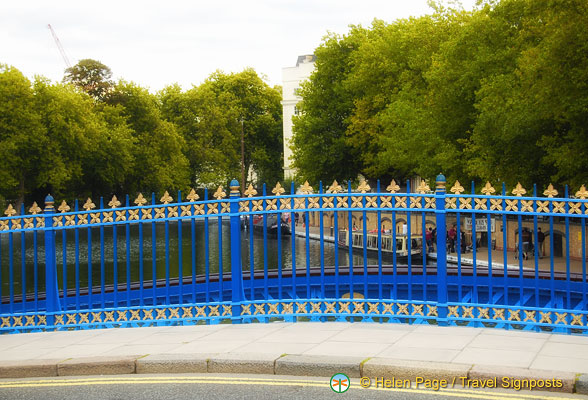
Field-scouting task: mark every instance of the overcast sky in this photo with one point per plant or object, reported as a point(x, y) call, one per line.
point(157, 43)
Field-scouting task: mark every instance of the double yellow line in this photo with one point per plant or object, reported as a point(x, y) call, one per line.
point(277, 381)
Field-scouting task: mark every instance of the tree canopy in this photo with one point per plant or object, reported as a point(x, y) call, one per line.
point(118, 138)
point(498, 93)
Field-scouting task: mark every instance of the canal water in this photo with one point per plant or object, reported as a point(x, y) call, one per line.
point(78, 265)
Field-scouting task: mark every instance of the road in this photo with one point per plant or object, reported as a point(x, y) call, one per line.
point(228, 387)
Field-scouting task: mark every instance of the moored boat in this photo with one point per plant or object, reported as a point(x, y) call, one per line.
point(400, 249)
point(271, 224)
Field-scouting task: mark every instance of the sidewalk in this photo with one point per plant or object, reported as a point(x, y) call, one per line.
point(305, 348)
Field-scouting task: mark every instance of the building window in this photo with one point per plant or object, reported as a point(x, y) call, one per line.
point(296, 110)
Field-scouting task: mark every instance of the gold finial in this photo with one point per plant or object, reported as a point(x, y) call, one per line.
point(35, 209)
point(278, 190)
point(10, 211)
point(335, 188)
point(166, 199)
point(306, 188)
point(140, 200)
point(363, 186)
point(582, 193)
point(488, 189)
point(114, 202)
point(519, 190)
point(457, 188)
point(250, 192)
point(63, 207)
point(192, 196)
point(219, 194)
point(89, 205)
point(393, 187)
point(550, 191)
point(423, 188)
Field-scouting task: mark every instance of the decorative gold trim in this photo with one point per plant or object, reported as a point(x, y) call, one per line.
point(417, 309)
point(192, 196)
point(400, 201)
point(287, 308)
point(363, 187)
point(514, 315)
point(330, 307)
point(498, 313)
point(415, 202)
point(545, 317)
point(213, 311)
point(467, 312)
point(89, 205)
point(358, 307)
point(403, 309)
point(140, 200)
point(488, 189)
point(344, 307)
point(335, 188)
point(483, 313)
point(519, 190)
point(453, 311)
point(259, 309)
point(114, 203)
point(219, 194)
point(250, 192)
point(480, 204)
point(457, 188)
point(550, 191)
point(582, 193)
point(306, 188)
point(278, 189)
point(166, 199)
point(496, 204)
point(35, 209)
point(315, 307)
point(393, 187)
point(272, 308)
point(432, 311)
point(423, 188)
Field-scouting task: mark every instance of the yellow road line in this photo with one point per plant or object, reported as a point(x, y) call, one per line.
point(258, 381)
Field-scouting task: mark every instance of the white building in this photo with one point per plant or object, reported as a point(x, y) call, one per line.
point(292, 77)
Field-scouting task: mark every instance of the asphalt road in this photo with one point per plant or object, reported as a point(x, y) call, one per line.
point(228, 387)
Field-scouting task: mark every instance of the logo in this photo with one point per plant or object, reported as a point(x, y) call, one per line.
point(339, 383)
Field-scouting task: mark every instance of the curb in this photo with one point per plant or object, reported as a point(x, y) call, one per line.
point(299, 365)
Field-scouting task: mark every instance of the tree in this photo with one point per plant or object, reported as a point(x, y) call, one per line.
point(23, 138)
point(158, 154)
point(91, 76)
point(320, 150)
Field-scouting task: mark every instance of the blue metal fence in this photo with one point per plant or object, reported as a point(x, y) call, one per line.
point(113, 266)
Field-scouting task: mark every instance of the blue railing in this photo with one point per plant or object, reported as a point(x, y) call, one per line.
point(202, 261)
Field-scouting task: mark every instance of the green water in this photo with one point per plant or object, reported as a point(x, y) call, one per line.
point(218, 256)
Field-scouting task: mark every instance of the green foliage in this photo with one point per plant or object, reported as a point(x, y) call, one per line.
point(495, 94)
point(91, 76)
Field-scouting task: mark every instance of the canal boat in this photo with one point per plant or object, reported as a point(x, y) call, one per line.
point(272, 224)
point(417, 253)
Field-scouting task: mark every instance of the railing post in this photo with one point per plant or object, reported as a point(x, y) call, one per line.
point(441, 225)
point(236, 268)
point(51, 289)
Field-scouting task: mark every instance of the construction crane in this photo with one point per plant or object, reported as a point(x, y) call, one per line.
point(59, 46)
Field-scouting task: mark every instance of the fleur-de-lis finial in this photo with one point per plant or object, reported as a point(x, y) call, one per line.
point(278, 190)
point(488, 189)
point(63, 207)
point(582, 193)
point(114, 202)
point(363, 187)
point(550, 191)
point(166, 199)
point(423, 188)
point(89, 205)
point(393, 187)
point(335, 188)
point(457, 188)
point(140, 200)
point(519, 190)
point(35, 209)
point(10, 211)
point(219, 194)
point(306, 188)
point(250, 192)
point(192, 196)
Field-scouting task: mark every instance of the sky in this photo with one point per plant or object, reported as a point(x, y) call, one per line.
point(158, 43)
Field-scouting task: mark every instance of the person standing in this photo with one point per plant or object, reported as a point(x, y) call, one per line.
point(540, 241)
point(452, 235)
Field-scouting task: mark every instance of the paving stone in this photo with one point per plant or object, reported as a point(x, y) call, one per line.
point(28, 368)
point(172, 363)
point(389, 368)
point(97, 366)
point(318, 365)
point(418, 354)
point(508, 358)
point(582, 384)
point(507, 377)
point(577, 365)
point(243, 363)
